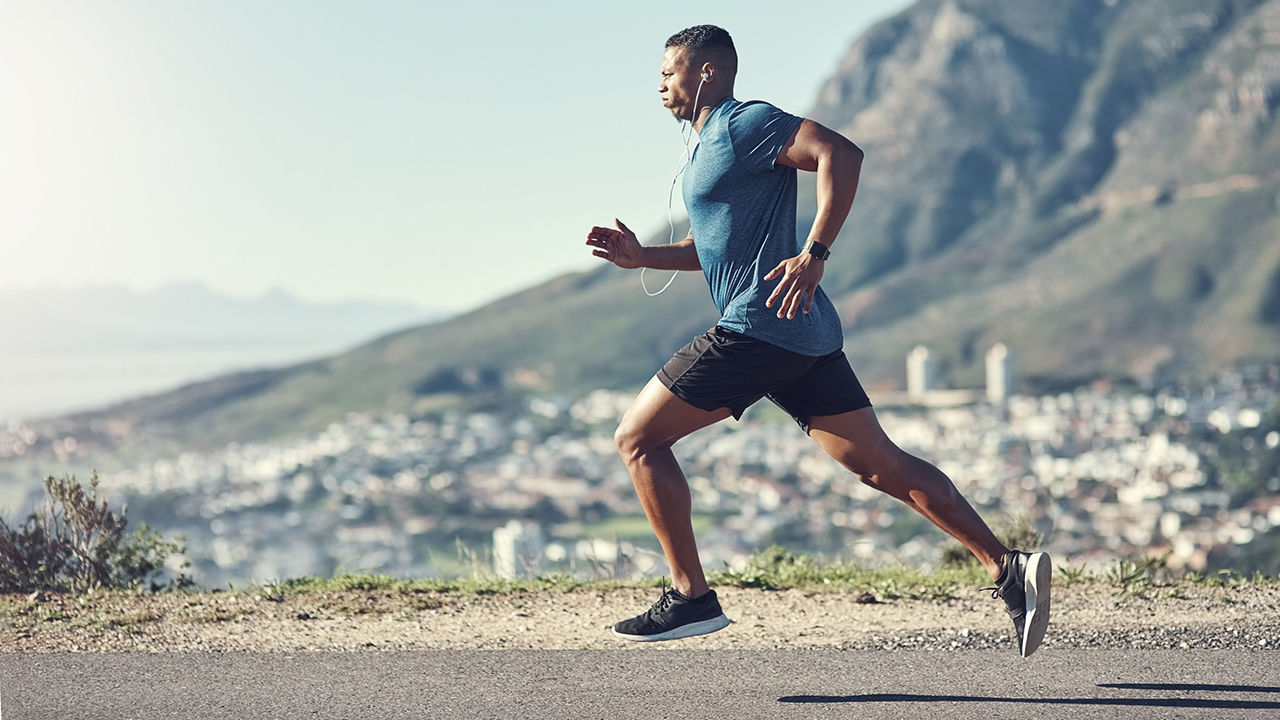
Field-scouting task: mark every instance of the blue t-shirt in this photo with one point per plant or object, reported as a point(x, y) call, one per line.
point(742, 215)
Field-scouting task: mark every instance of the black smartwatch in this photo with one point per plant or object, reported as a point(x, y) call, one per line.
point(817, 249)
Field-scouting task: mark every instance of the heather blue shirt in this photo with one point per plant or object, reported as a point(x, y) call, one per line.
point(742, 215)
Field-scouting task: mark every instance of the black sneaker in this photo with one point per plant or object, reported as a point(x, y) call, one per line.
point(674, 616)
point(1024, 586)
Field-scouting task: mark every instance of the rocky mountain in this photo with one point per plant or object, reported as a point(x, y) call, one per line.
point(1092, 182)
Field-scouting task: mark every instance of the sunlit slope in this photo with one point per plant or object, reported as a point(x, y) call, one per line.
point(577, 332)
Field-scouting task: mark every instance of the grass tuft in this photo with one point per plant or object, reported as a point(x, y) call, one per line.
point(777, 568)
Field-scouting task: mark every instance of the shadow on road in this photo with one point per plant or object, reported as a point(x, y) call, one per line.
point(1224, 704)
point(1191, 687)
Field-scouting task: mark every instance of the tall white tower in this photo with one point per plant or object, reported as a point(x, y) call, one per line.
point(517, 549)
point(1000, 380)
point(919, 372)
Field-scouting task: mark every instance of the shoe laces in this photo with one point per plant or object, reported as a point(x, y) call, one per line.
point(664, 602)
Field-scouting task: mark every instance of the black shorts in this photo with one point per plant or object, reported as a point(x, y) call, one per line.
point(726, 369)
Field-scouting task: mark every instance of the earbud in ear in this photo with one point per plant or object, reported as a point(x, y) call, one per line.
point(706, 77)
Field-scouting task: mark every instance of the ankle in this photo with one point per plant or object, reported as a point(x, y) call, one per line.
point(691, 590)
point(995, 567)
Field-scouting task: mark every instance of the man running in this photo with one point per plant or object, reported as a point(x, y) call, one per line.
point(778, 337)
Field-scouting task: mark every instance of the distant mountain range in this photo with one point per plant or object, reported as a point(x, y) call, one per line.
point(66, 349)
point(1094, 183)
point(185, 316)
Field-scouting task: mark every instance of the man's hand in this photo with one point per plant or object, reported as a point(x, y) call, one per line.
point(800, 277)
point(620, 246)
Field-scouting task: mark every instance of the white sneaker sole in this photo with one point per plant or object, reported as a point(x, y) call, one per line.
point(702, 627)
point(1036, 587)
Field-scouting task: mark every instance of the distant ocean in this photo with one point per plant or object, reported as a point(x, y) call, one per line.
point(39, 385)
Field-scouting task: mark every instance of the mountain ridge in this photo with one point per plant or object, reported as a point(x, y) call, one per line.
point(183, 315)
point(1089, 182)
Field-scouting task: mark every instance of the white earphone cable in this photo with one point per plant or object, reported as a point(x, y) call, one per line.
point(671, 236)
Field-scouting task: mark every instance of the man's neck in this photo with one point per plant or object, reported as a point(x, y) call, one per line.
point(704, 112)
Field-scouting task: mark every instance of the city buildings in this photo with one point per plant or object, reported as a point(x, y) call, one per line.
point(539, 487)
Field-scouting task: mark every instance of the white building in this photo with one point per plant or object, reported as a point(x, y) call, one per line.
point(1000, 374)
point(919, 373)
point(517, 549)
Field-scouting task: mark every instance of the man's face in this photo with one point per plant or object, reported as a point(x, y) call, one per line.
point(679, 85)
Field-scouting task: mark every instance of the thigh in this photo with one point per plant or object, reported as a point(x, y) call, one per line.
point(855, 439)
point(657, 417)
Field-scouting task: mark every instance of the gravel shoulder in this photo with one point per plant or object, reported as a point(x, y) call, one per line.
point(1185, 615)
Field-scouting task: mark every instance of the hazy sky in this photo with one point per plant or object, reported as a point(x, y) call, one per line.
point(442, 154)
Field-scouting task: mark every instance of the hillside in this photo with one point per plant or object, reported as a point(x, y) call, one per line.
point(1092, 183)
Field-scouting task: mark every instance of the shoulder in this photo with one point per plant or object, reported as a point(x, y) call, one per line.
point(757, 116)
point(758, 129)
point(754, 110)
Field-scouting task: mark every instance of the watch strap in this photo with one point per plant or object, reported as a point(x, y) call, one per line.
point(817, 249)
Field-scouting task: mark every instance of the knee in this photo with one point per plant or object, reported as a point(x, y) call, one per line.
point(632, 441)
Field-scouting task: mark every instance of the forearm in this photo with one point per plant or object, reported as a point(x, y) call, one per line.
point(674, 256)
point(838, 173)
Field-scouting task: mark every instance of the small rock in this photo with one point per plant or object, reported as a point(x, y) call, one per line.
point(867, 598)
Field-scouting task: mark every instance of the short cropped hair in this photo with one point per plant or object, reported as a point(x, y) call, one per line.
point(708, 42)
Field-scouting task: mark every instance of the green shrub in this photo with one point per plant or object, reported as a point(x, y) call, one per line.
point(75, 543)
point(1134, 576)
point(773, 568)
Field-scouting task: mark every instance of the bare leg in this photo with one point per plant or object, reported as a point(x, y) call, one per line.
point(857, 441)
point(653, 423)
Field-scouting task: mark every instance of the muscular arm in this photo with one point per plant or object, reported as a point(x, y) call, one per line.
point(838, 163)
point(620, 247)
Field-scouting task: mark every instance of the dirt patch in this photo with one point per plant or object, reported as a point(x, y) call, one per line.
point(1089, 615)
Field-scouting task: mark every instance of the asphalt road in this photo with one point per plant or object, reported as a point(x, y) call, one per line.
point(644, 682)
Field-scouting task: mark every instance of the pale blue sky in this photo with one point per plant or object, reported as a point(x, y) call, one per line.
point(443, 155)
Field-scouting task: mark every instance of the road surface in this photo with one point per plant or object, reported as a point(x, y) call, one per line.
point(643, 682)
